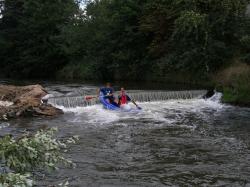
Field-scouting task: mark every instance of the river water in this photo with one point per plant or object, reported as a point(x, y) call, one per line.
point(193, 142)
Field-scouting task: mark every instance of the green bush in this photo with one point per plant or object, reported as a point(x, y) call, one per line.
point(20, 157)
point(15, 180)
point(239, 92)
point(234, 82)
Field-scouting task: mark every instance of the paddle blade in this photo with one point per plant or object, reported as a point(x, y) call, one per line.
point(89, 97)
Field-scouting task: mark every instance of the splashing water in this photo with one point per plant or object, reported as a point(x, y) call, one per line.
point(163, 95)
point(155, 111)
point(140, 96)
point(6, 103)
point(72, 102)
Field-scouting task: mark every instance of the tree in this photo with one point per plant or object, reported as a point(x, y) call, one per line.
point(193, 35)
point(128, 39)
point(111, 43)
point(31, 35)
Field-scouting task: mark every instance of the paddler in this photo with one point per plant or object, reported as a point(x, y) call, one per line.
point(123, 100)
point(108, 93)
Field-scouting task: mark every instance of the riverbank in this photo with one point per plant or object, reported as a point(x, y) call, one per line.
point(234, 82)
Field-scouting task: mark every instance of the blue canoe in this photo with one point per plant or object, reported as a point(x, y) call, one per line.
point(109, 106)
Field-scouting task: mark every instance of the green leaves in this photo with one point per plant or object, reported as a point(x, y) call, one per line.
point(189, 23)
point(121, 39)
point(30, 153)
point(32, 36)
point(15, 180)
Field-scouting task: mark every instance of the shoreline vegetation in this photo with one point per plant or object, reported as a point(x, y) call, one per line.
point(26, 158)
point(234, 83)
point(195, 42)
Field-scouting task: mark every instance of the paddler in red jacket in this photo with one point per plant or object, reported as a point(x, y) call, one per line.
point(123, 100)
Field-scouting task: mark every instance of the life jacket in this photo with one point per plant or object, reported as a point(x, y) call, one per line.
point(106, 91)
point(124, 99)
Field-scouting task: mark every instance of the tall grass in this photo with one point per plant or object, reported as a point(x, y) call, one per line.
point(235, 83)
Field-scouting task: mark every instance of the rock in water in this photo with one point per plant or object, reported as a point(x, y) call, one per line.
point(20, 101)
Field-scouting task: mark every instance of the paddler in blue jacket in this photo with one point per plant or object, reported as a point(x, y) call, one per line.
point(108, 93)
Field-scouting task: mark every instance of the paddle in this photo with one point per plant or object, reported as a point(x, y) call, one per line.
point(137, 106)
point(90, 97)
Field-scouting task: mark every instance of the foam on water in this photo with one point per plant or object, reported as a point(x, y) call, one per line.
point(6, 103)
point(92, 114)
point(4, 125)
point(159, 113)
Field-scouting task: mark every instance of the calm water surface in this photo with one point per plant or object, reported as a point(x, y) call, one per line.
point(172, 143)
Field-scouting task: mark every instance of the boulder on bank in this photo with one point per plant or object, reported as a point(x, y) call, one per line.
point(22, 101)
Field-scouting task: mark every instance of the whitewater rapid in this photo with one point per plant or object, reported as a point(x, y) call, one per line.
point(162, 112)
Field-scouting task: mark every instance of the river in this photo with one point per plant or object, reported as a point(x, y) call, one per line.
point(177, 142)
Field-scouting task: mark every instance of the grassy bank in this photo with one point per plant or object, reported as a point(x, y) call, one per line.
point(234, 82)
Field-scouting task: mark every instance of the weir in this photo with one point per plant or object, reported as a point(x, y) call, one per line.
point(72, 102)
point(140, 96)
point(166, 95)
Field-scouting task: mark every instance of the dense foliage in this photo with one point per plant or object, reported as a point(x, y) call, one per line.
point(30, 36)
point(122, 39)
point(21, 157)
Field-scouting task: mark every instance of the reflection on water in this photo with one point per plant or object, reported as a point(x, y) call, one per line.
point(170, 143)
